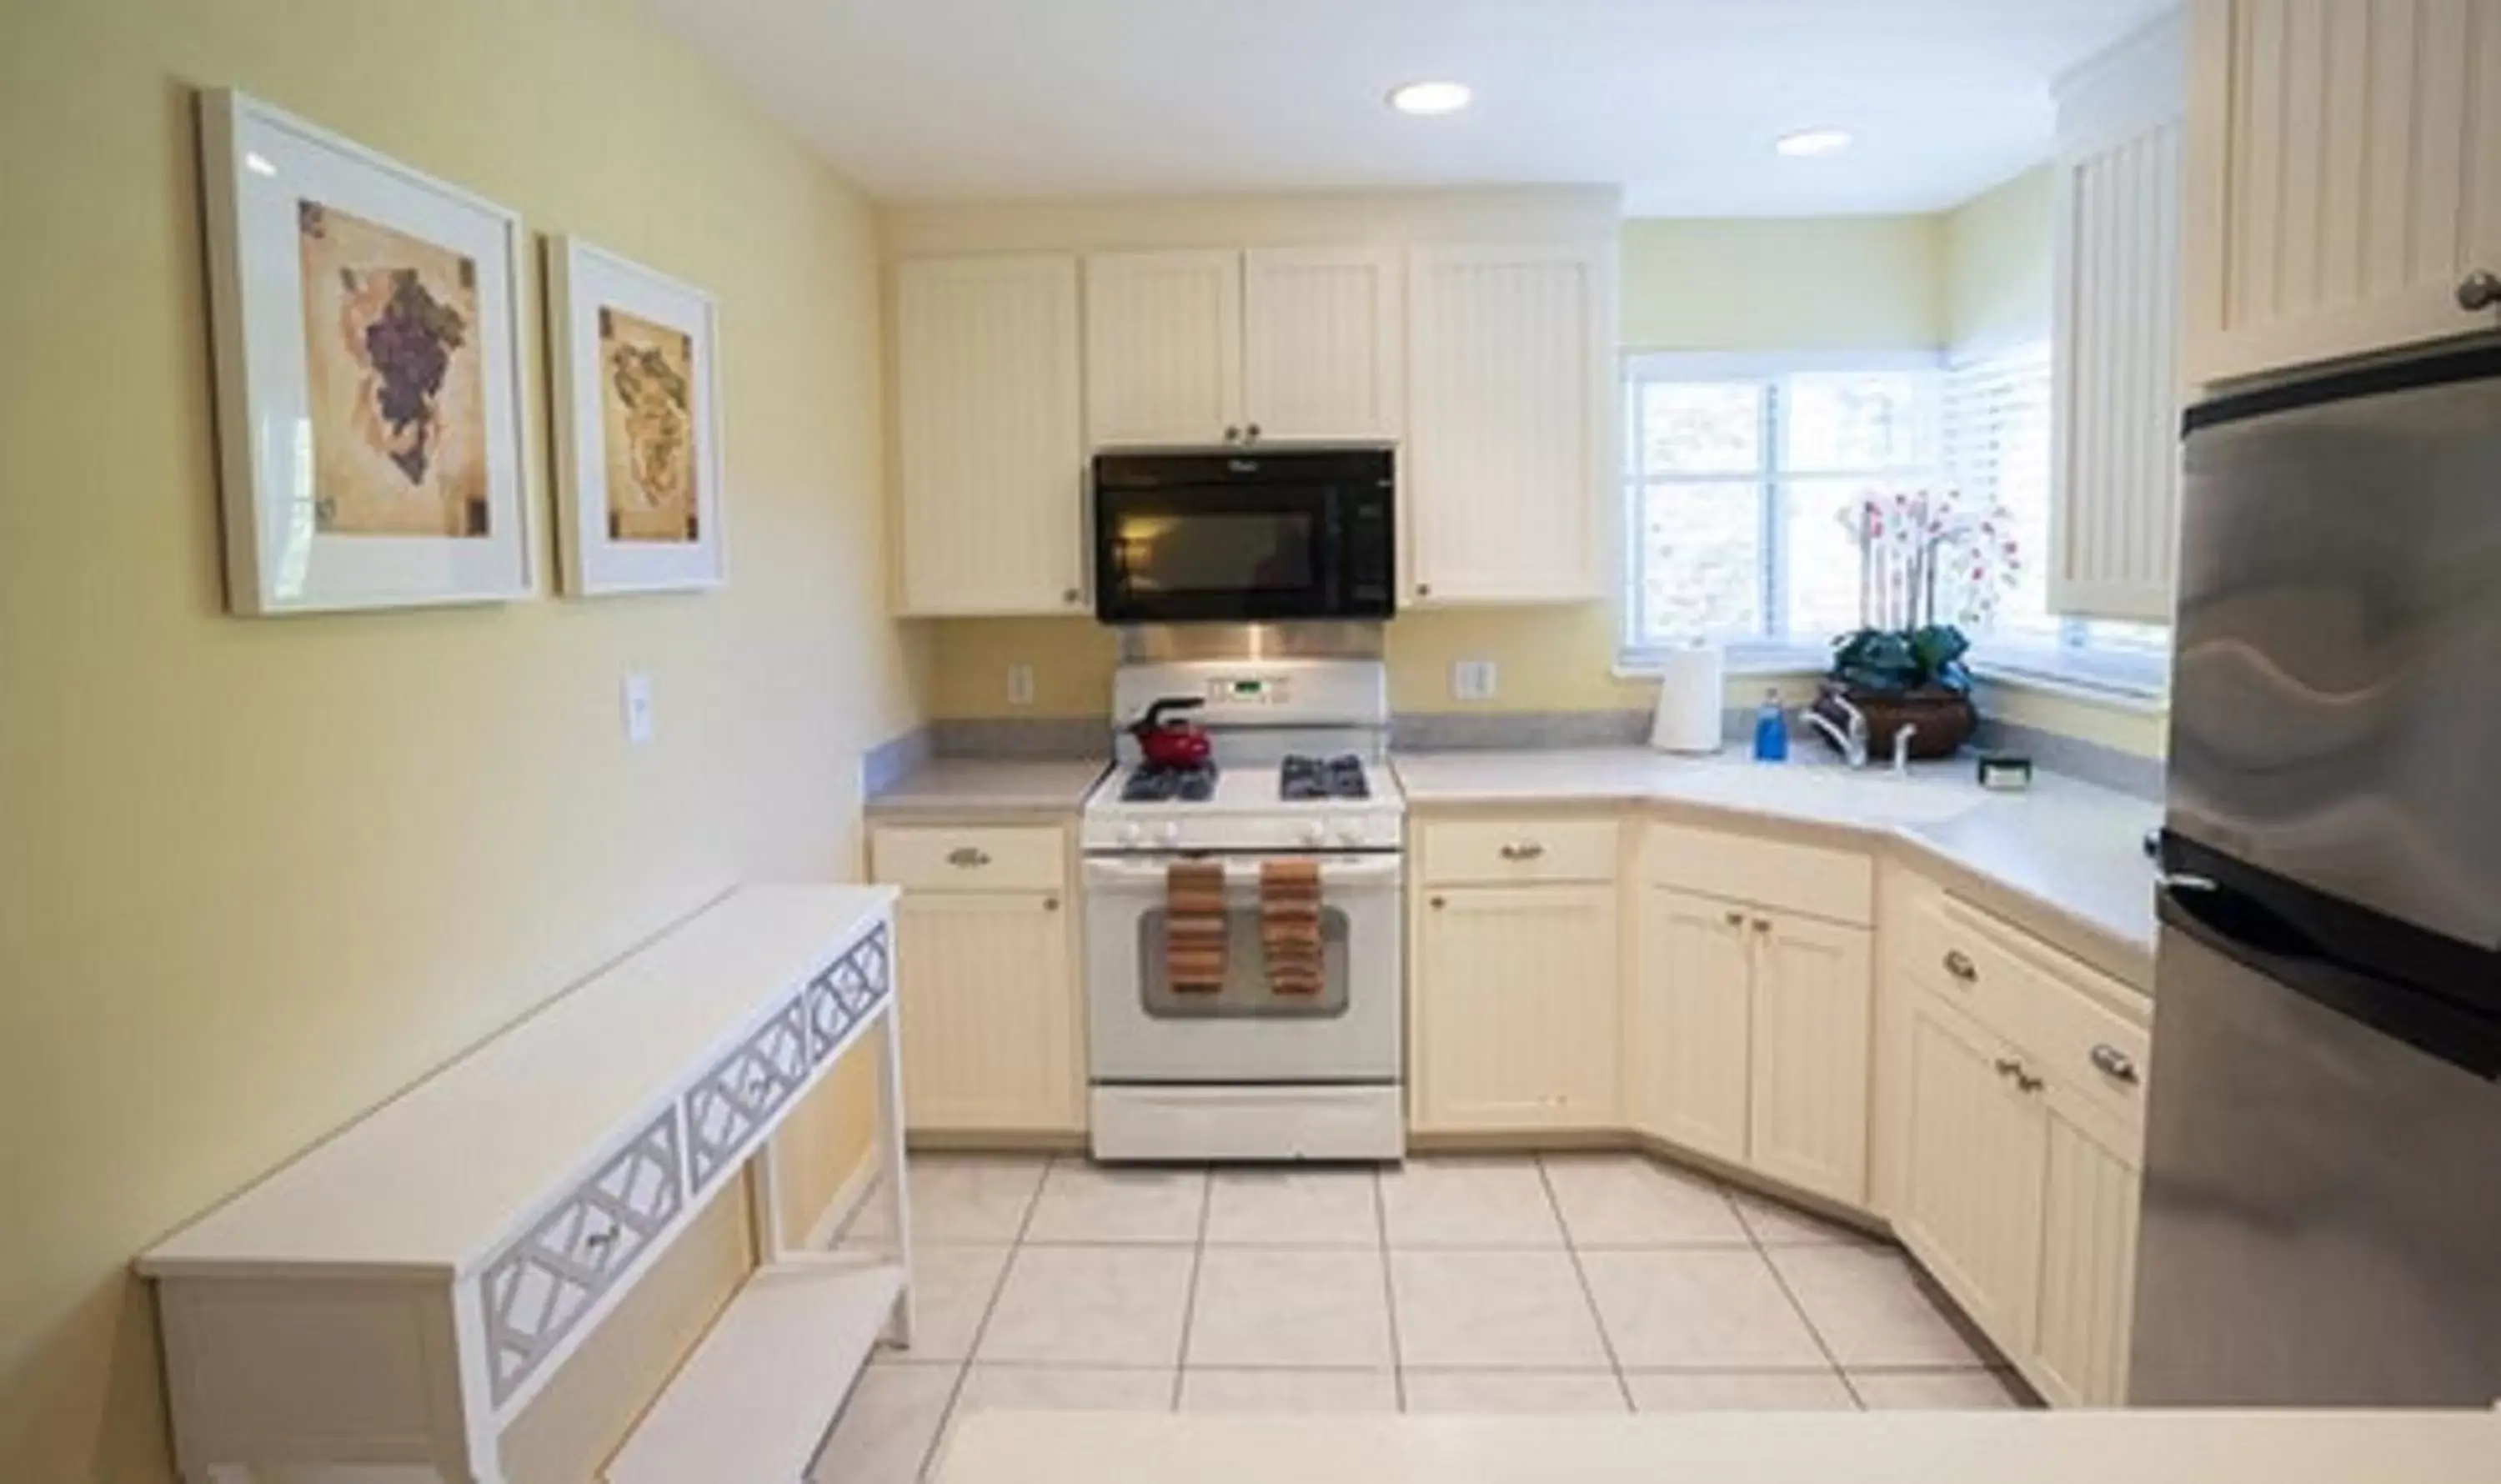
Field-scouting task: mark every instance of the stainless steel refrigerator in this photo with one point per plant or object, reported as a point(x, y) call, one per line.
point(2323, 1196)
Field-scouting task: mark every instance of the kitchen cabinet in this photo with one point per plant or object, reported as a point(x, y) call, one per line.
point(1812, 988)
point(1322, 355)
point(2088, 1224)
point(1510, 406)
point(1973, 1169)
point(1689, 1054)
point(1163, 348)
point(2344, 179)
point(1514, 1014)
point(986, 956)
point(990, 491)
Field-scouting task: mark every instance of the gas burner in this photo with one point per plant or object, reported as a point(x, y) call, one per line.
point(1305, 778)
point(1151, 784)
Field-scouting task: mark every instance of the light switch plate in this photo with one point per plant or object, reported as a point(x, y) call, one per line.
point(1473, 680)
point(1020, 685)
point(636, 697)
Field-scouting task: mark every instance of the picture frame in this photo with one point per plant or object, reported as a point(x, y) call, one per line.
point(372, 398)
point(637, 404)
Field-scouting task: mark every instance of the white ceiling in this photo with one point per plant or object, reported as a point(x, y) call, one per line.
point(1675, 100)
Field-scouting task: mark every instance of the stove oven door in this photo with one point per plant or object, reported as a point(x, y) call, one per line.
point(1142, 1031)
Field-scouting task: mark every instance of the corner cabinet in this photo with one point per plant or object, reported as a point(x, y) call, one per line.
point(988, 437)
point(2344, 179)
point(1511, 412)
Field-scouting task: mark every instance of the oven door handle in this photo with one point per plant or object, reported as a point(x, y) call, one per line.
point(1371, 871)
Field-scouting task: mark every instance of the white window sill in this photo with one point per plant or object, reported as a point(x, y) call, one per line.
point(1740, 661)
point(2052, 675)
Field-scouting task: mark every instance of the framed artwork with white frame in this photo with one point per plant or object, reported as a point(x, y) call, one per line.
point(637, 425)
point(371, 396)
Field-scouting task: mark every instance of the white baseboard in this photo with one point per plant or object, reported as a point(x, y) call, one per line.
point(848, 1196)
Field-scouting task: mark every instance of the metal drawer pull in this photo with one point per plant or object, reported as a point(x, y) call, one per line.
point(1528, 849)
point(2478, 291)
point(1736, 920)
point(2007, 1067)
point(1762, 925)
point(967, 857)
point(2114, 1064)
point(1958, 963)
point(2026, 1082)
point(1439, 902)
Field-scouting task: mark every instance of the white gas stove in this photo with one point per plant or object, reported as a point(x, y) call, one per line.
point(1247, 1070)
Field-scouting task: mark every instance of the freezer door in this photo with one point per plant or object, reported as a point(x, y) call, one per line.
point(2322, 1200)
point(2336, 717)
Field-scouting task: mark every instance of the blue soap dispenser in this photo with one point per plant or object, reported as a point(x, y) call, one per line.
point(1772, 731)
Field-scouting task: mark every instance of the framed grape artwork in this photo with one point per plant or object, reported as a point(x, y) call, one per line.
point(637, 425)
point(369, 374)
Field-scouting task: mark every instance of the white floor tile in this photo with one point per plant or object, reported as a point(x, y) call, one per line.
point(1503, 1310)
point(957, 1199)
point(1468, 1202)
point(1293, 1208)
point(1513, 1390)
point(1699, 1308)
point(1083, 1203)
point(887, 1429)
point(1777, 1224)
point(1091, 1306)
point(1287, 1306)
point(1742, 1391)
point(1868, 1308)
point(951, 1288)
point(1065, 1388)
point(1205, 1388)
point(1629, 1200)
point(1944, 1390)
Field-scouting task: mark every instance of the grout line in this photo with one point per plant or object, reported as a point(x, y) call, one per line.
point(1808, 1320)
point(1581, 1274)
point(1388, 1293)
point(1197, 1266)
point(981, 1330)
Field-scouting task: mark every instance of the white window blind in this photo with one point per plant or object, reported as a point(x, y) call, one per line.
point(1997, 434)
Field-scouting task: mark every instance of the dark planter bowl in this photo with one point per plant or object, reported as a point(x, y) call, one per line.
point(1944, 719)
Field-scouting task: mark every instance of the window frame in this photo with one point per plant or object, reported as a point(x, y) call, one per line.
point(1776, 653)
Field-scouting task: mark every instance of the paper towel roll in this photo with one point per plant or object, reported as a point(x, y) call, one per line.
point(1692, 689)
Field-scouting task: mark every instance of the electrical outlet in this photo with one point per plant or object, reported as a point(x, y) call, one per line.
point(636, 696)
point(1472, 680)
point(1020, 685)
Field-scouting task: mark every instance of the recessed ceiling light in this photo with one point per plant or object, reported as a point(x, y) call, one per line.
point(1424, 99)
point(1812, 142)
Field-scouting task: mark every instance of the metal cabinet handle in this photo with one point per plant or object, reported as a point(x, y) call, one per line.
point(1526, 849)
point(1736, 920)
point(2026, 1082)
point(1439, 902)
point(1068, 594)
point(1250, 433)
point(1423, 589)
point(1958, 963)
point(2114, 1064)
point(1051, 904)
point(2007, 1067)
point(1233, 435)
point(2478, 291)
point(1762, 925)
point(967, 857)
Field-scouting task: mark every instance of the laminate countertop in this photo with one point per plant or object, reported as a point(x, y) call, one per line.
point(959, 787)
point(2010, 1447)
point(2064, 858)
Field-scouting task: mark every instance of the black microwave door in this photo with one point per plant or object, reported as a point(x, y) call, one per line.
point(1215, 556)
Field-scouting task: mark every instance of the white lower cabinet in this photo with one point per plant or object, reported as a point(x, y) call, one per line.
point(1515, 1022)
point(1976, 1149)
point(1690, 1036)
point(2089, 1208)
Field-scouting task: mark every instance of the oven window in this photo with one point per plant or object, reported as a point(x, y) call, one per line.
point(1217, 551)
point(1246, 994)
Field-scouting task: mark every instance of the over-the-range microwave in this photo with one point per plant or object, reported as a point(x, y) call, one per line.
point(1249, 535)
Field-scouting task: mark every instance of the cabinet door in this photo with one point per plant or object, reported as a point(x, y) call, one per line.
point(1163, 346)
point(989, 1013)
point(1813, 992)
point(1972, 1181)
point(988, 436)
point(1510, 400)
point(1320, 349)
point(1687, 1057)
point(2088, 1259)
point(2344, 176)
point(1516, 1010)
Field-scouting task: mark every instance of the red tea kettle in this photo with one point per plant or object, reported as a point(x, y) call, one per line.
point(1170, 742)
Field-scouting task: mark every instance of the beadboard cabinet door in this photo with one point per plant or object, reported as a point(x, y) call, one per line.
point(1322, 351)
point(1813, 1013)
point(1163, 346)
point(1515, 1021)
point(989, 1013)
point(1974, 1165)
point(989, 435)
point(1511, 403)
point(2345, 178)
point(1687, 1045)
point(2090, 1212)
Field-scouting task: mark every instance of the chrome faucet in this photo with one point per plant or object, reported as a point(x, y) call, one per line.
point(1852, 741)
point(1902, 736)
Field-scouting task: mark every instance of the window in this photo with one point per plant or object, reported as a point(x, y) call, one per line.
point(1738, 469)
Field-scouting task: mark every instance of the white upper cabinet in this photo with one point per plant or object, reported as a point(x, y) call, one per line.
point(989, 435)
point(2344, 177)
point(2114, 535)
point(1322, 355)
point(1509, 451)
point(1163, 348)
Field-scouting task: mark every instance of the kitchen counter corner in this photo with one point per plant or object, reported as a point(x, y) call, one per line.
point(962, 786)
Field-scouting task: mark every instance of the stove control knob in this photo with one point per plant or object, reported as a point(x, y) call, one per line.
point(1170, 833)
point(1131, 835)
point(1315, 833)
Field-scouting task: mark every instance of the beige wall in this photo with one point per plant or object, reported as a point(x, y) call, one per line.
point(258, 874)
point(1805, 284)
point(1997, 265)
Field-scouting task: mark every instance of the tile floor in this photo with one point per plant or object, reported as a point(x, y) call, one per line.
point(1555, 1284)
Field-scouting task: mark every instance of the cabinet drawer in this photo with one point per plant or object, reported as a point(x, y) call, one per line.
point(1836, 884)
point(2094, 1055)
point(731, 1104)
point(973, 859)
point(1499, 852)
point(1944, 947)
point(538, 1288)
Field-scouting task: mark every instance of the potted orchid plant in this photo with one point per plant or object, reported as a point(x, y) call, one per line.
point(1931, 566)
